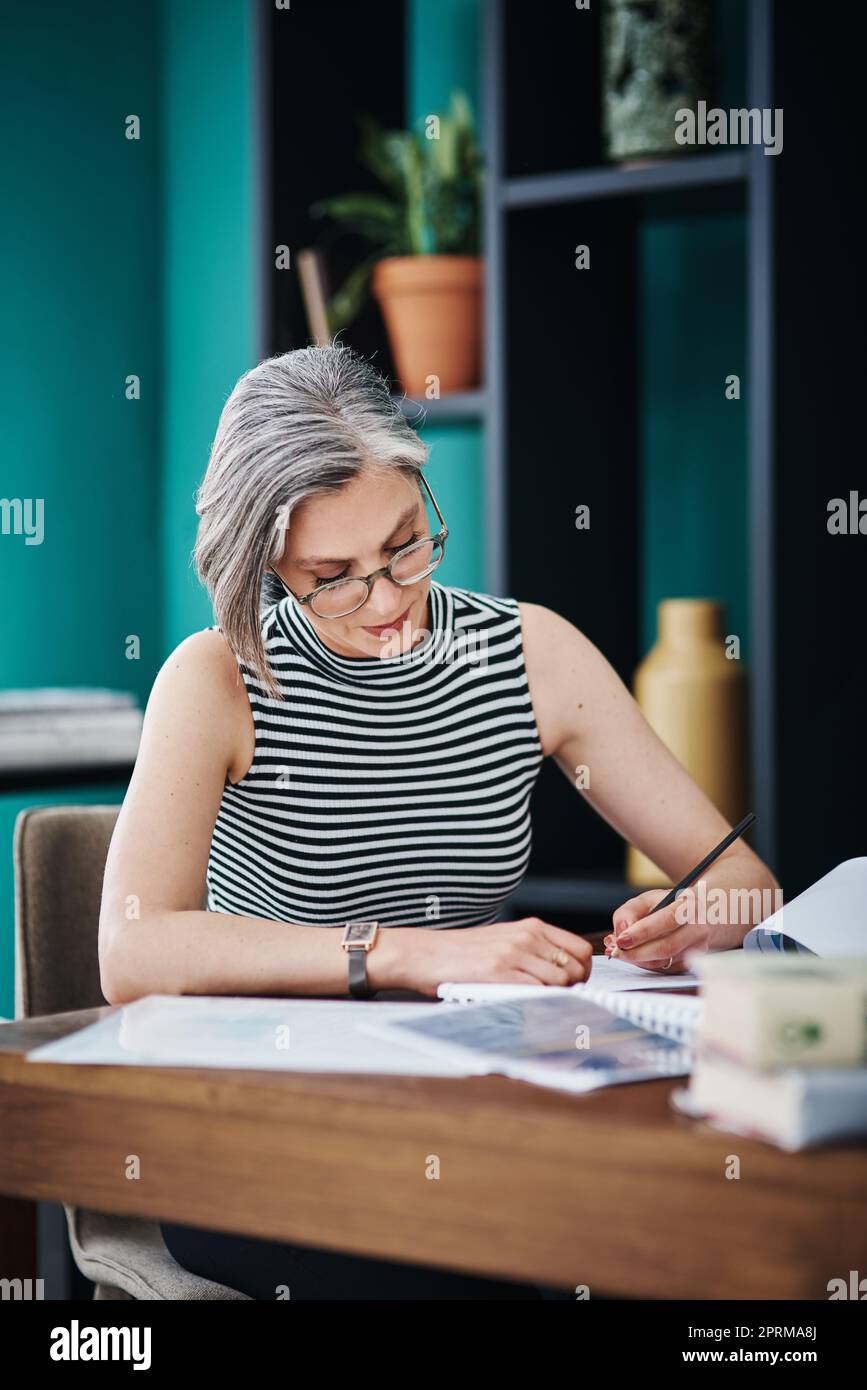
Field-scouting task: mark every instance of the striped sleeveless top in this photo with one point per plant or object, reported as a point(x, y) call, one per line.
point(388, 787)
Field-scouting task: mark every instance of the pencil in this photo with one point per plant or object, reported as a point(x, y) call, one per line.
point(699, 869)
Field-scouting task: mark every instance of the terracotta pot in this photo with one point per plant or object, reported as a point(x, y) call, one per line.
point(694, 696)
point(433, 312)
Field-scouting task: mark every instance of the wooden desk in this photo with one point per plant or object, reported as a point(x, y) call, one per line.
point(613, 1189)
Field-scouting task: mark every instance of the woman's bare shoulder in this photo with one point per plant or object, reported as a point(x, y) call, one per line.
point(203, 667)
point(548, 636)
point(200, 686)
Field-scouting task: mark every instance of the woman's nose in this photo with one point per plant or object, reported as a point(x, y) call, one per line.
point(383, 595)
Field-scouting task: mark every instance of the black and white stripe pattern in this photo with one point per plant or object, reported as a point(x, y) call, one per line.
point(395, 788)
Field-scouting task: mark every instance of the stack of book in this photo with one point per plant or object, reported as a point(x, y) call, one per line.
point(47, 729)
point(781, 1047)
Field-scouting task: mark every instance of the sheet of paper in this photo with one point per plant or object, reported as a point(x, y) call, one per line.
point(829, 918)
point(308, 1035)
point(621, 974)
point(612, 975)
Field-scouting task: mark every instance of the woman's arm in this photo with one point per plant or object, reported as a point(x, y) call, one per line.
point(588, 718)
point(154, 936)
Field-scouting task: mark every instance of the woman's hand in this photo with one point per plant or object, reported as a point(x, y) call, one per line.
point(526, 952)
point(650, 939)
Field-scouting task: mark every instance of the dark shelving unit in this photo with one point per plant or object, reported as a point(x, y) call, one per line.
point(309, 140)
point(458, 405)
point(593, 372)
point(667, 175)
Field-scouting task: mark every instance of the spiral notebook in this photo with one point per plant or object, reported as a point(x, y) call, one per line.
point(673, 1016)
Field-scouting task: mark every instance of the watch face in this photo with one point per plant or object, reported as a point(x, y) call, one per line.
point(359, 932)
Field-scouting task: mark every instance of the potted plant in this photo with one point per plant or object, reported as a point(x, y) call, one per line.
point(424, 269)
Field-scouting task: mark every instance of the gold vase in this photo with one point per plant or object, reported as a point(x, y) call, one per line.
point(695, 697)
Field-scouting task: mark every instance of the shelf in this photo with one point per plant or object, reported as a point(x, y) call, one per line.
point(582, 185)
point(579, 894)
point(70, 775)
point(459, 405)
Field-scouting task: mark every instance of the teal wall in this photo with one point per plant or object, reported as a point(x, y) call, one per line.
point(443, 53)
point(693, 442)
point(209, 292)
point(79, 265)
point(455, 475)
point(117, 257)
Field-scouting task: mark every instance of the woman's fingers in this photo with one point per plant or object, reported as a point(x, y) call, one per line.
point(519, 977)
point(557, 956)
point(544, 972)
point(649, 938)
point(634, 908)
point(659, 949)
point(647, 926)
point(677, 967)
point(577, 949)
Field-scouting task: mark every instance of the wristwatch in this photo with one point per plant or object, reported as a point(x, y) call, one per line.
point(359, 938)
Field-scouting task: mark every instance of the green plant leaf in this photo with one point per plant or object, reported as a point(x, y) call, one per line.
point(347, 302)
point(369, 214)
point(375, 155)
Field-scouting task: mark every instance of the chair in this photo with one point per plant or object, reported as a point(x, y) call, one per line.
point(59, 856)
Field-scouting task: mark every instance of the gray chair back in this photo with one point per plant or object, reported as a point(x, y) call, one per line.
point(59, 854)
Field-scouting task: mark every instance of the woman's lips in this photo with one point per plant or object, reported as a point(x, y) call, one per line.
point(388, 627)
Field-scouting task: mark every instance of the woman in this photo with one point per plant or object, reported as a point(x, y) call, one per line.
point(356, 741)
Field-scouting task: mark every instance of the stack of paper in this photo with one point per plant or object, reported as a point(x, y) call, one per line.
point(56, 728)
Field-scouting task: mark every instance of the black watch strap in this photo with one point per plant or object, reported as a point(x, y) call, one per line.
point(358, 985)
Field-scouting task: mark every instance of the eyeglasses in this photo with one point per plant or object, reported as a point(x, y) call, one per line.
point(337, 598)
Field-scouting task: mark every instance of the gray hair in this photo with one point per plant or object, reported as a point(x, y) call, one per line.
point(299, 424)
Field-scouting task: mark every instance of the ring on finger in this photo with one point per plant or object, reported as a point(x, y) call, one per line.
point(560, 958)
